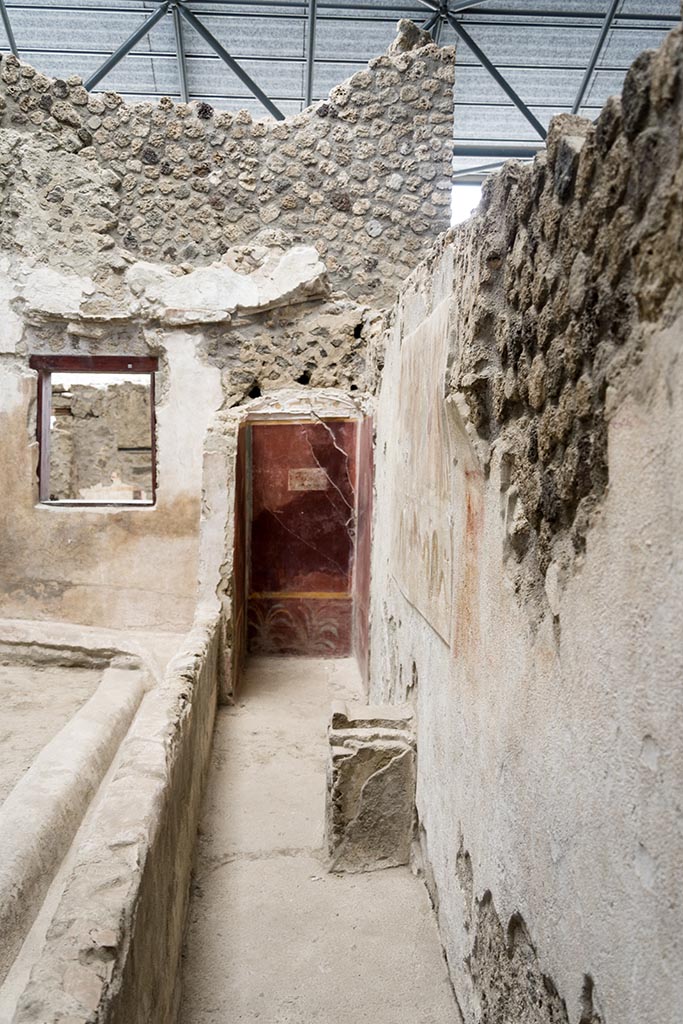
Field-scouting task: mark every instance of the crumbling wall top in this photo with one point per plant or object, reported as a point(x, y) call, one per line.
point(365, 175)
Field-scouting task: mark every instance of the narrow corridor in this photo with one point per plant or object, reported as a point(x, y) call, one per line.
point(273, 938)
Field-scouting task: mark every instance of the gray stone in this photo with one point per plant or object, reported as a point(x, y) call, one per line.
point(370, 787)
point(373, 228)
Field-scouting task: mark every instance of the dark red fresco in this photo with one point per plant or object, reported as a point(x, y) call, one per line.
point(303, 479)
point(361, 612)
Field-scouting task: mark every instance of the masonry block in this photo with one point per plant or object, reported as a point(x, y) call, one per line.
point(370, 808)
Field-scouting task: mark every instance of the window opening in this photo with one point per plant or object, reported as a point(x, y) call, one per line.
point(96, 430)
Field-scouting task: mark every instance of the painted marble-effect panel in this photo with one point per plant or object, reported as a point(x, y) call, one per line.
point(302, 536)
point(422, 555)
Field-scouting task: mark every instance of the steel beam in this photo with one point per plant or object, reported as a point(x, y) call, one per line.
point(125, 48)
point(310, 49)
point(438, 29)
point(463, 5)
point(298, 10)
point(180, 55)
point(8, 29)
point(455, 6)
point(446, 7)
point(352, 62)
point(496, 75)
point(218, 48)
point(429, 24)
point(480, 169)
point(442, 9)
point(505, 151)
point(597, 50)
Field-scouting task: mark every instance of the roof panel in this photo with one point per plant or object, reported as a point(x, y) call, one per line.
point(249, 36)
point(278, 79)
point(473, 84)
point(623, 47)
point(596, 8)
point(353, 40)
point(604, 85)
point(73, 30)
point(497, 124)
point(648, 8)
point(138, 72)
point(506, 43)
point(95, 6)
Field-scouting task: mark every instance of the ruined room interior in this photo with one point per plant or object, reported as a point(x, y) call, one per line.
point(341, 557)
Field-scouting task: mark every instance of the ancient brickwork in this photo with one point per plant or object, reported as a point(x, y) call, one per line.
point(366, 174)
point(569, 262)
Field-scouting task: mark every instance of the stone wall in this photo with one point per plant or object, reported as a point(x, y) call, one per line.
point(567, 265)
point(366, 174)
point(227, 321)
point(321, 345)
point(526, 587)
point(260, 321)
point(99, 433)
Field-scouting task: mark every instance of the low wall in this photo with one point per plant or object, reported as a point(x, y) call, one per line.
point(41, 815)
point(113, 946)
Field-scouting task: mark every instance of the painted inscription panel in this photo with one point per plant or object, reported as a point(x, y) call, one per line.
point(308, 479)
point(422, 553)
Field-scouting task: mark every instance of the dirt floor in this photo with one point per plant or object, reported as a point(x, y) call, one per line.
point(36, 702)
point(273, 938)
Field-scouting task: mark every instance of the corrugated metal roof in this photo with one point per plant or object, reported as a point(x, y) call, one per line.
point(541, 47)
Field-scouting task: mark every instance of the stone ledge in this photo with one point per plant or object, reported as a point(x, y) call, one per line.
point(44, 810)
point(113, 945)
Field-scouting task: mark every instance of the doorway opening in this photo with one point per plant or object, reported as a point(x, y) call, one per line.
point(302, 535)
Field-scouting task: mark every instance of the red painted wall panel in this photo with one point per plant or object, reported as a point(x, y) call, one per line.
point(302, 537)
point(361, 583)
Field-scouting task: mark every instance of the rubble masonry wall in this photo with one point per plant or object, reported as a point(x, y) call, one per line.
point(365, 174)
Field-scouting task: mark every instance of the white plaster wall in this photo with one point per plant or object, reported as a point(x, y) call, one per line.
point(183, 420)
point(120, 567)
point(556, 758)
